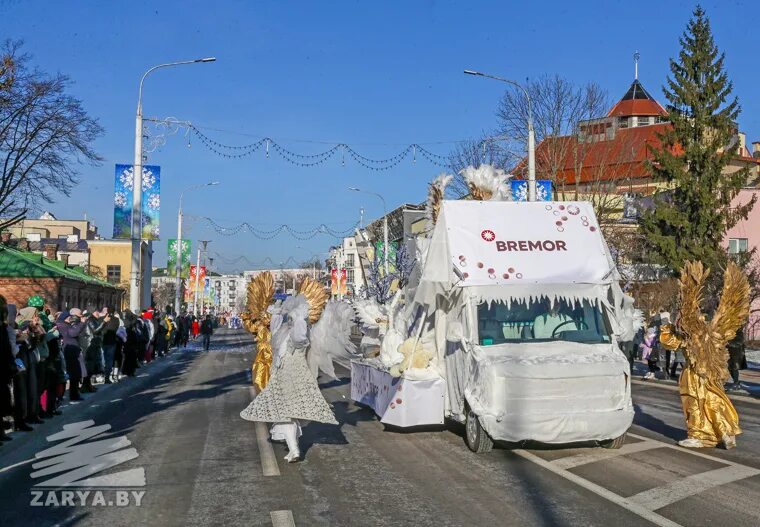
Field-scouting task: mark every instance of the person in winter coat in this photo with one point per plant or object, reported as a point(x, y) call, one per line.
point(195, 328)
point(109, 327)
point(121, 340)
point(25, 381)
point(160, 334)
point(134, 344)
point(55, 374)
point(70, 326)
point(737, 359)
point(93, 353)
point(85, 339)
point(650, 352)
point(7, 367)
point(207, 329)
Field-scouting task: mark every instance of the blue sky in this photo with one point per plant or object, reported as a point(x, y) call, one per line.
point(374, 75)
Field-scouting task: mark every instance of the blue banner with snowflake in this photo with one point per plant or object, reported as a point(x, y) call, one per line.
point(520, 190)
point(122, 203)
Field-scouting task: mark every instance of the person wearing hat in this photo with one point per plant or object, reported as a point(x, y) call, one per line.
point(108, 329)
point(93, 350)
point(55, 374)
point(25, 394)
point(70, 326)
point(42, 352)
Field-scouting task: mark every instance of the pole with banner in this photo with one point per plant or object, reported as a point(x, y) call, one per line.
point(197, 276)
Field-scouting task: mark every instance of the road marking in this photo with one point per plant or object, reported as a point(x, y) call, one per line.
point(664, 495)
point(600, 454)
point(282, 519)
point(9, 467)
point(692, 451)
point(266, 452)
point(599, 491)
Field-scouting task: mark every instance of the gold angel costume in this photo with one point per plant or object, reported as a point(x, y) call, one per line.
point(710, 416)
point(260, 293)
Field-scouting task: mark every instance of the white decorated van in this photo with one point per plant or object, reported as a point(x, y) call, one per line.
point(522, 304)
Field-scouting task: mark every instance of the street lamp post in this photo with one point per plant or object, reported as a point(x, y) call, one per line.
point(531, 132)
point(385, 226)
point(178, 276)
point(134, 278)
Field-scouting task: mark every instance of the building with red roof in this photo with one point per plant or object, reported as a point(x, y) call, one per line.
point(608, 156)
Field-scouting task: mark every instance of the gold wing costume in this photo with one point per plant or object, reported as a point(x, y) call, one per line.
point(260, 293)
point(710, 416)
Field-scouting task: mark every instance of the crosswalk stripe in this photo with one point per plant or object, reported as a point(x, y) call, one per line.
point(282, 519)
point(627, 504)
point(599, 454)
point(664, 495)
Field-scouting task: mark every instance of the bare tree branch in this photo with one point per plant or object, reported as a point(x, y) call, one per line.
point(44, 135)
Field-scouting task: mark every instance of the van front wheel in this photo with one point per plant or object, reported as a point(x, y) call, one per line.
point(477, 439)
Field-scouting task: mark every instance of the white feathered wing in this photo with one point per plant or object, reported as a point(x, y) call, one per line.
point(331, 339)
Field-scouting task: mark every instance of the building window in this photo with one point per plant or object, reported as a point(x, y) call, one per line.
point(623, 122)
point(349, 260)
point(349, 276)
point(232, 284)
point(113, 273)
point(643, 121)
point(737, 245)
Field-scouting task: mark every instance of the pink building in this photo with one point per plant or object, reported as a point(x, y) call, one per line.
point(745, 236)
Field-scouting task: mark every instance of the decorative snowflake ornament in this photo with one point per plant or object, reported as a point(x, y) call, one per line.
point(148, 179)
point(154, 201)
point(120, 199)
point(126, 177)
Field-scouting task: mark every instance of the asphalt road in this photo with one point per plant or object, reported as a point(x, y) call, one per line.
point(204, 465)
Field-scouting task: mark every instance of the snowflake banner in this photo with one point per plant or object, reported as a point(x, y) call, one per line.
point(520, 190)
point(122, 203)
point(171, 259)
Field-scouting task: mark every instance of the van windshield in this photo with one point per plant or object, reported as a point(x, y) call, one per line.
point(541, 321)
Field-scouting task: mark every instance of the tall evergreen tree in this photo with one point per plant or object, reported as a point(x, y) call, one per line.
point(693, 213)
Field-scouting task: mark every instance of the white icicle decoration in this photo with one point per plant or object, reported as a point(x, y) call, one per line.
point(487, 183)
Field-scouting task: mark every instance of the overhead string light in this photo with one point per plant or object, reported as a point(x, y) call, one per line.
point(309, 234)
point(266, 262)
point(311, 160)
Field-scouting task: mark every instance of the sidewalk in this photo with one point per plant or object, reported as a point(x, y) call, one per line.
point(749, 379)
point(105, 394)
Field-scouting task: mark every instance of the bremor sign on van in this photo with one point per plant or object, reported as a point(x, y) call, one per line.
point(501, 243)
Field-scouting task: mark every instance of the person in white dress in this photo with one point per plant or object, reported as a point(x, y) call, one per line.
point(292, 394)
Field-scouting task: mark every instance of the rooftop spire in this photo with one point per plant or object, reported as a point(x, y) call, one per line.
point(636, 57)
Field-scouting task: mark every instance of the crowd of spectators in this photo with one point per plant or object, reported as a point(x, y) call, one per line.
point(44, 356)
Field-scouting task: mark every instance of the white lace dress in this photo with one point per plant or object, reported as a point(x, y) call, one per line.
point(292, 392)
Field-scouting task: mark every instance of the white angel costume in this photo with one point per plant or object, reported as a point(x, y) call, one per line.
point(292, 394)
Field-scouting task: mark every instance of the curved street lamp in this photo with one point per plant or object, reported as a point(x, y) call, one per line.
point(385, 226)
point(531, 132)
point(134, 279)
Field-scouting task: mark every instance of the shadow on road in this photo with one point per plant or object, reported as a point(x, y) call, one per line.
point(654, 424)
